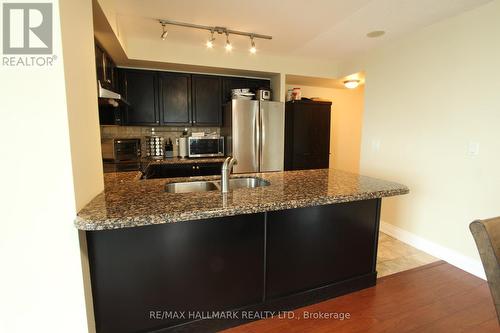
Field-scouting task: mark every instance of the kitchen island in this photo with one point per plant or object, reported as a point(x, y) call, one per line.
point(170, 261)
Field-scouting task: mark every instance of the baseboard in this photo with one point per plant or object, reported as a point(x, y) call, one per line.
point(453, 257)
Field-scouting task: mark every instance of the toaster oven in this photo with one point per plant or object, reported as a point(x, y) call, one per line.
point(118, 150)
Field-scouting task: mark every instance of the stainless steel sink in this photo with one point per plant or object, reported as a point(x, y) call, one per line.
point(205, 186)
point(248, 182)
point(188, 187)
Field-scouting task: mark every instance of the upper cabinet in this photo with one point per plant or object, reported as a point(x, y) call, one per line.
point(106, 68)
point(207, 100)
point(175, 99)
point(140, 88)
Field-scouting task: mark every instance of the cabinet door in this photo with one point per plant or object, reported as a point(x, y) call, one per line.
point(99, 63)
point(207, 106)
point(309, 136)
point(208, 169)
point(175, 99)
point(141, 93)
point(109, 71)
point(154, 171)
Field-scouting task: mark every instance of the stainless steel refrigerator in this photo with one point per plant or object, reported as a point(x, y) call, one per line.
point(255, 135)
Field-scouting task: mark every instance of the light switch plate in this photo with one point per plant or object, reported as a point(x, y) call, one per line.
point(473, 149)
point(376, 145)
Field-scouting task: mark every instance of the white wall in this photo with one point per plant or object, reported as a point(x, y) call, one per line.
point(81, 91)
point(426, 98)
point(345, 125)
point(41, 284)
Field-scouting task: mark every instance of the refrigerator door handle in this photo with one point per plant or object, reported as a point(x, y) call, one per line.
point(256, 144)
point(262, 137)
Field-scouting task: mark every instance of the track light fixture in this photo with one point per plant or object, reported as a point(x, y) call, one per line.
point(213, 30)
point(228, 46)
point(210, 41)
point(253, 49)
point(165, 31)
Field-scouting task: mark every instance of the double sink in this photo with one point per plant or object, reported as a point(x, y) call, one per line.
point(205, 186)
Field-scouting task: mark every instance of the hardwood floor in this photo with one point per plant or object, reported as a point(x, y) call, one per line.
point(437, 297)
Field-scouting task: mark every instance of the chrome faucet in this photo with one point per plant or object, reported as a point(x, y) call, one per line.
point(226, 172)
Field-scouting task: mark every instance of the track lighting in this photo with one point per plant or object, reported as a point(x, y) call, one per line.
point(215, 29)
point(351, 84)
point(210, 41)
point(228, 46)
point(165, 32)
point(253, 49)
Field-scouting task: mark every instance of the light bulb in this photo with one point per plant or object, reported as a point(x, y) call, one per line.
point(351, 84)
point(210, 41)
point(253, 49)
point(228, 46)
point(164, 33)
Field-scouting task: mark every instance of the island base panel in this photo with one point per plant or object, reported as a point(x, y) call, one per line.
point(202, 265)
point(274, 261)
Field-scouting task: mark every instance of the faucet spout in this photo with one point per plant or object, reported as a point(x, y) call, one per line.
point(226, 172)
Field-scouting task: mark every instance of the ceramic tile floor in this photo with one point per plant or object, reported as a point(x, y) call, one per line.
point(395, 256)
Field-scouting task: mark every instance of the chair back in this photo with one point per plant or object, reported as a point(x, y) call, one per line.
point(487, 236)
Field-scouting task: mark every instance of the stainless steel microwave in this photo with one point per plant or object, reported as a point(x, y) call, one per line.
point(205, 146)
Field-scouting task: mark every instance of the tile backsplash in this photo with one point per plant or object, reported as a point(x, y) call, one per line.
point(141, 132)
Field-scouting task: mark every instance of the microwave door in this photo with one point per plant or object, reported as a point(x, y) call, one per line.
point(272, 136)
point(245, 135)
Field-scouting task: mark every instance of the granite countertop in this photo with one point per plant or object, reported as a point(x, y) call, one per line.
point(128, 201)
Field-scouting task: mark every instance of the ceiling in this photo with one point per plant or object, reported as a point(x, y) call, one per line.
point(326, 29)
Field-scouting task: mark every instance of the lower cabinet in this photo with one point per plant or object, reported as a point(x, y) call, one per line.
point(200, 266)
point(182, 170)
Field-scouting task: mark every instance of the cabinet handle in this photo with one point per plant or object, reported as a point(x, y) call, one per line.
point(157, 121)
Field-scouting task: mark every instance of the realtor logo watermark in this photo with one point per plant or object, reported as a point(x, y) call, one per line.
point(27, 34)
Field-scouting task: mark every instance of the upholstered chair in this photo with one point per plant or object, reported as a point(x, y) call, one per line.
point(487, 236)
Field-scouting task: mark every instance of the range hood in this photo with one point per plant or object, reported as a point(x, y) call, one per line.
point(112, 97)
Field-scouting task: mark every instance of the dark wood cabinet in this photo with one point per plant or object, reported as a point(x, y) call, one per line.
point(175, 99)
point(172, 99)
point(207, 102)
point(182, 170)
point(105, 68)
point(307, 135)
point(140, 89)
point(99, 63)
